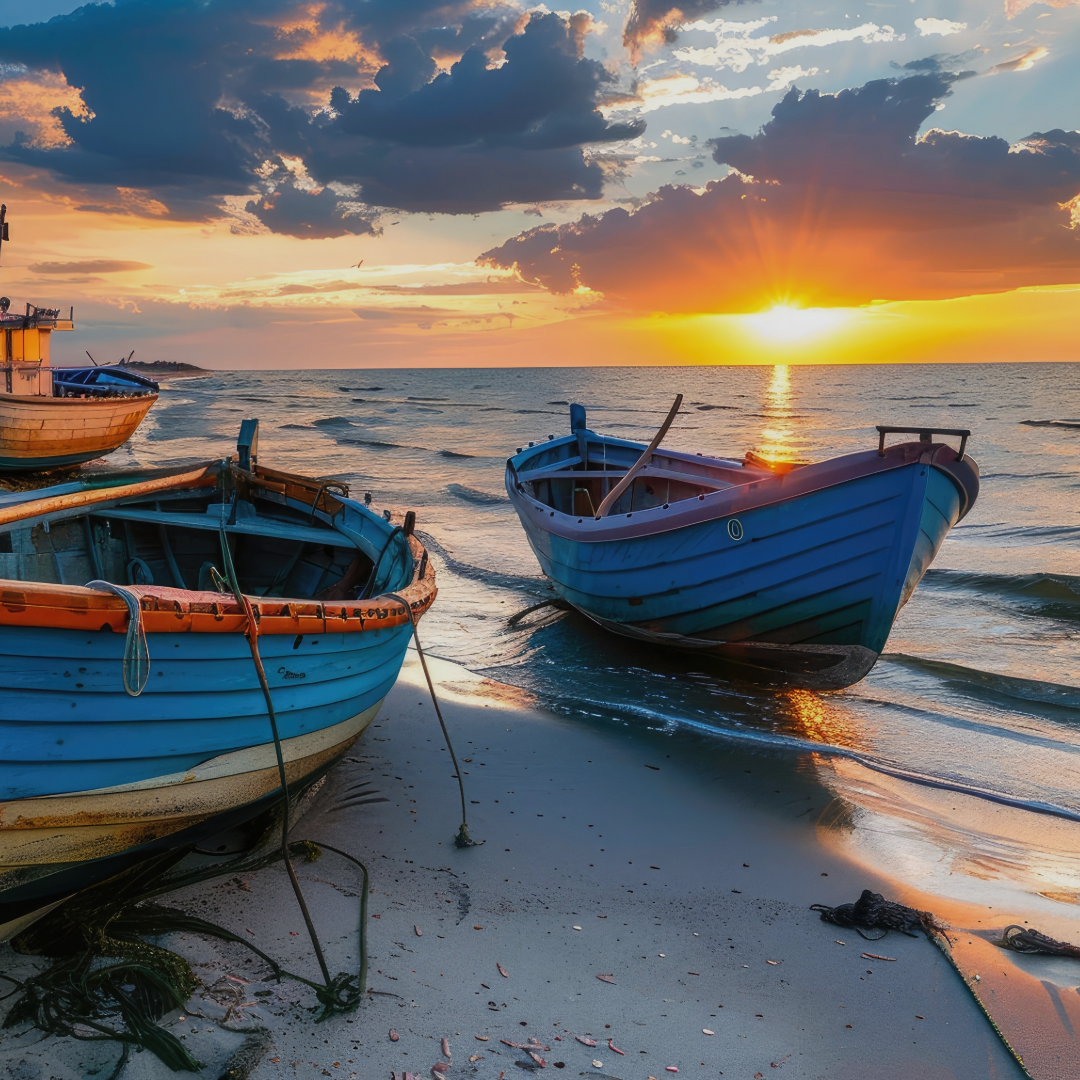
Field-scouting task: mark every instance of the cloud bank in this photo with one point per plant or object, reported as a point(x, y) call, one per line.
point(309, 116)
point(836, 201)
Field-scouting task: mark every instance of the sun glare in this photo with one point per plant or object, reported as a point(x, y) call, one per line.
point(784, 322)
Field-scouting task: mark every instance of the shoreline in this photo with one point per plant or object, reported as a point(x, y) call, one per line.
point(639, 838)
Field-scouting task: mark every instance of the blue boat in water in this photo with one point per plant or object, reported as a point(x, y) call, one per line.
point(132, 719)
point(790, 573)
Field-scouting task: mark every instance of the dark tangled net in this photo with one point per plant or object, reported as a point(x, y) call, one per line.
point(873, 912)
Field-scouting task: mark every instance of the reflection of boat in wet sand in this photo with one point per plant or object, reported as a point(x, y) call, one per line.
point(133, 721)
point(47, 421)
point(794, 573)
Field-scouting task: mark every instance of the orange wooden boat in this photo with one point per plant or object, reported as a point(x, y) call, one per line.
point(41, 425)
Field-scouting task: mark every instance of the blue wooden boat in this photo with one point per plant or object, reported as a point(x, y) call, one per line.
point(101, 380)
point(789, 573)
point(111, 751)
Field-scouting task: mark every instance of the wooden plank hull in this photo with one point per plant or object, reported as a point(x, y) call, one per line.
point(792, 579)
point(53, 847)
point(94, 778)
point(44, 432)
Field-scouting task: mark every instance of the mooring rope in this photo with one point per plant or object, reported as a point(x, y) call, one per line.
point(462, 839)
point(252, 635)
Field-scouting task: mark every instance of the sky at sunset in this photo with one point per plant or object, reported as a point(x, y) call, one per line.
point(381, 183)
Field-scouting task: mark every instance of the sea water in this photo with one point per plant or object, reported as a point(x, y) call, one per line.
point(956, 761)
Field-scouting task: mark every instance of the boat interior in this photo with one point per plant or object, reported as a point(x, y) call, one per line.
point(173, 538)
point(109, 380)
point(574, 475)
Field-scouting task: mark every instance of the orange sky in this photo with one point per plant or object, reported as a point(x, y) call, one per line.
point(768, 254)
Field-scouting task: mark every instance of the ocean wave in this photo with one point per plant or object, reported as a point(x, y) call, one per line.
point(361, 389)
point(795, 744)
point(1049, 595)
point(333, 421)
point(517, 582)
point(990, 684)
point(472, 495)
point(1052, 423)
point(455, 454)
point(375, 444)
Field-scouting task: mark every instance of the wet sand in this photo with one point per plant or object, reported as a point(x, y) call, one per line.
point(680, 870)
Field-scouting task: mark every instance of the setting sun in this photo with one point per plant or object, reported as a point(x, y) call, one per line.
point(785, 322)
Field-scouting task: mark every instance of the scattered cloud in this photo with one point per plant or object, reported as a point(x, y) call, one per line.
point(838, 200)
point(737, 48)
point(651, 23)
point(88, 266)
point(677, 90)
point(943, 27)
point(1020, 63)
point(1014, 7)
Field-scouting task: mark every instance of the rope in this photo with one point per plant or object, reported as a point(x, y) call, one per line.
point(136, 651)
point(462, 839)
point(1023, 939)
point(252, 635)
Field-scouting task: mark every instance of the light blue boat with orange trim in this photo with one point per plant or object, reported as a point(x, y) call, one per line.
point(111, 751)
point(790, 573)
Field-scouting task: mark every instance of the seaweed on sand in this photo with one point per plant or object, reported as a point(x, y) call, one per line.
point(109, 982)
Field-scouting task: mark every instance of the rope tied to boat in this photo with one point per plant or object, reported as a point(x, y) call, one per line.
point(462, 839)
point(340, 994)
point(136, 650)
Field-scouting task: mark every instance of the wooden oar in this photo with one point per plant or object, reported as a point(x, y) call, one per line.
point(613, 495)
point(75, 499)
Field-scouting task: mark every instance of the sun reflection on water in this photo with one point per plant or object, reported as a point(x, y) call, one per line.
point(780, 440)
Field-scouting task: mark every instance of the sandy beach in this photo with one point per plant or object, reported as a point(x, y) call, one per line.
point(679, 871)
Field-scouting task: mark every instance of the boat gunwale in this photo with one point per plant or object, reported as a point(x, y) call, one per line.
point(171, 610)
point(761, 489)
point(71, 402)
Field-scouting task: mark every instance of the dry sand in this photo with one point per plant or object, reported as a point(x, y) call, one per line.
point(679, 869)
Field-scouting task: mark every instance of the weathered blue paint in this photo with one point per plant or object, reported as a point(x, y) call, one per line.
point(66, 724)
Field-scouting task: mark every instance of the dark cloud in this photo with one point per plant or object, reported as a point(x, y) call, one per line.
point(836, 200)
point(942, 63)
point(472, 139)
point(654, 22)
point(88, 266)
point(191, 101)
point(313, 215)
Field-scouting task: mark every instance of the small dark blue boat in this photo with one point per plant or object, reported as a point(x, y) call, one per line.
point(103, 380)
point(791, 573)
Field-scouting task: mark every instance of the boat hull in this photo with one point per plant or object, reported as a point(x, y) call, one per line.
point(798, 590)
point(45, 432)
point(52, 847)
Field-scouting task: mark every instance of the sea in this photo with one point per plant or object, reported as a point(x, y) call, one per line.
point(955, 763)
